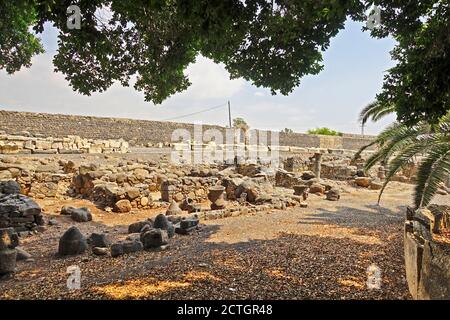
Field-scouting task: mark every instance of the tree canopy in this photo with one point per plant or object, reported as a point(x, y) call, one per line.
point(240, 123)
point(273, 44)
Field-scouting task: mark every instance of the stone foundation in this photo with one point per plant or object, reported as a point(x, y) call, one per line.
point(427, 262)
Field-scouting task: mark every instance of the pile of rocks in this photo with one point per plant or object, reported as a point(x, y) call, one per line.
point(143, 235)
point(17, 210)
point(27, 143)
point(153, 234)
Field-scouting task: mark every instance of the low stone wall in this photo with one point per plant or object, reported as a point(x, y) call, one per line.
point(27, 143)
point(427, 262)
point(145, 132)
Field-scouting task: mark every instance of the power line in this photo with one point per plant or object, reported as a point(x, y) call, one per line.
point(194, 113)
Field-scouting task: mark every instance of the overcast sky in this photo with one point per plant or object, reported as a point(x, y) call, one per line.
point(354, 67)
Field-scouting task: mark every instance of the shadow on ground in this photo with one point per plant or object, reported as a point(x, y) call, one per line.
point(287, 267)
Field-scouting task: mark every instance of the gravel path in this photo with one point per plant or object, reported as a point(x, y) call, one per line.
point(320, 252)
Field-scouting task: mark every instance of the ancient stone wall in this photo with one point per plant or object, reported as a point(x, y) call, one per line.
point(26, 143)
point(143, 132)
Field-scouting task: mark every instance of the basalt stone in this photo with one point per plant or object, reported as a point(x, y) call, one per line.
point(188, 223)
point(186, 226)
point(81, 215)
point(170, 229)
point(154, 238)
point(9, 187)
point(99, 240)
point(182, 231)
point(8, 259)
point(137, 226)
point(146, 228)
point(66, 210)
point(161, 222)
point(134, 236)
point(132, 246)
point(116, 249)
point(72, 242)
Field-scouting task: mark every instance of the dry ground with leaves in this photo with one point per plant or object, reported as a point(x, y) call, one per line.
point(319, 252)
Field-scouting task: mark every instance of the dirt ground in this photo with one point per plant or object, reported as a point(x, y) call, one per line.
point(319, 252)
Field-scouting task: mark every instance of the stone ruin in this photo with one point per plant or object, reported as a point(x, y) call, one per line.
point(340, 165)
point(427, 261)
point(18, 211)
point(19, 215)
point(186, 193)
point(26, 143)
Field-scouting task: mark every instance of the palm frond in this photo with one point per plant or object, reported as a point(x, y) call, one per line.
point(431, 172)
point(375, 111)
point(381, 139)
point(444, 124)
point(396, 139)
point(402, 158)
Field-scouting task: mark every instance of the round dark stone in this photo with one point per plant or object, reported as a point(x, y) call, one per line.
point(72, 242)
point(161, 222)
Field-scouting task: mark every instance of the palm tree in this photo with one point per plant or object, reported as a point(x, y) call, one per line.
point(399, 144)
point(375, 111)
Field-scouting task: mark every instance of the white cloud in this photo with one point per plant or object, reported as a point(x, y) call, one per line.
point(210, 81)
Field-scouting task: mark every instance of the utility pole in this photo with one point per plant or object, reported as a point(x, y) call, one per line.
point(229, 113)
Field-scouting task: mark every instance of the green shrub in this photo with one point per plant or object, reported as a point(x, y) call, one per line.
point(324, 131)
